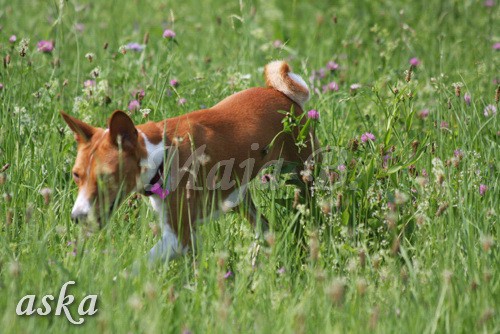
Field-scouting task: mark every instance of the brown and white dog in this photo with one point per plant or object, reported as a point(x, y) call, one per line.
point(235, 134)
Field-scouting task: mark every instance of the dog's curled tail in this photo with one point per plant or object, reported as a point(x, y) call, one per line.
point(279, 76)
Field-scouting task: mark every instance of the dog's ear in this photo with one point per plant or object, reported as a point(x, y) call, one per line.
point(83, 131)
point(122, 128)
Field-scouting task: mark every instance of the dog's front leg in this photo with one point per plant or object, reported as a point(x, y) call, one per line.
point(167, 248)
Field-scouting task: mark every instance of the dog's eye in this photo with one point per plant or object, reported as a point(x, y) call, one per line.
point(76, 177)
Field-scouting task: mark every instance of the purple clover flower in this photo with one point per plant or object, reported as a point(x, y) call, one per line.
point(341, 168)
point(277, 44)
point(139, 94)
point(414, 61)
point(482, 189)
point(367, 136)
point(319, 74)
point(385, 160)
point(467, 99)
point(182, 101)
point(80, 27)
point(489, 3)
point(45, 46)
point(490, 110)
point(332, 87)
point(355, 87)
point(12, 39)
point(496, 46)
point(174, 82)
point(135, 47)
point(228, 274)
point(423, 113)
point(266, 178)
point(169, 34)
point(332, 66)
point(313, 114)
point(88, 83)
point(134, 105)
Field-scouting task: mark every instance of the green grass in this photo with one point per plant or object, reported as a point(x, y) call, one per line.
point(426, 264)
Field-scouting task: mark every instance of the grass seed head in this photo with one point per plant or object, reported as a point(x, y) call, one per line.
point(9, 217)
point(296, 198)
point(150, 291)
point(6, 61)
point(487, 275)
point(362, 258)
point(447, 275)
point(395, 246)
point(270, 238)
point(335, 291)
point(487, 242)
point(47, 194)
point(486, 316)
point(326, 207)
point(376, 260)
point(374, 317)
point(14, 268)
point(314, 246)
point(361, 286)
point(135, 302)
point(338, 204)
point(408, 74)
point(403, 273)
point(458, 88)
point(441, 209)
point(7, 197)
point(29, 213)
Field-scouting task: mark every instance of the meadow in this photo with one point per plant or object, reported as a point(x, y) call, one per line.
point(401, 237)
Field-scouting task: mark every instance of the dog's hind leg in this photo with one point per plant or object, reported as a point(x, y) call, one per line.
point(258, 222)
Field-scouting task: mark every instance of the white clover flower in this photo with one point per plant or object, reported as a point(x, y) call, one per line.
point(145, 112)
point(90, 56)
point(95, 72)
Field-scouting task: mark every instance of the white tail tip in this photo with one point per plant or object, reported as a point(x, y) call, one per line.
point(279, 77)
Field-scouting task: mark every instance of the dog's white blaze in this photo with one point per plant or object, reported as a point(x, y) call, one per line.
point(82, 204)
point(153, 160)
point(168, 247)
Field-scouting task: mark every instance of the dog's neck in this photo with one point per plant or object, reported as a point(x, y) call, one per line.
point(152, 165)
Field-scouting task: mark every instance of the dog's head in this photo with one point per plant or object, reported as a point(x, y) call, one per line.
point(107, 164)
